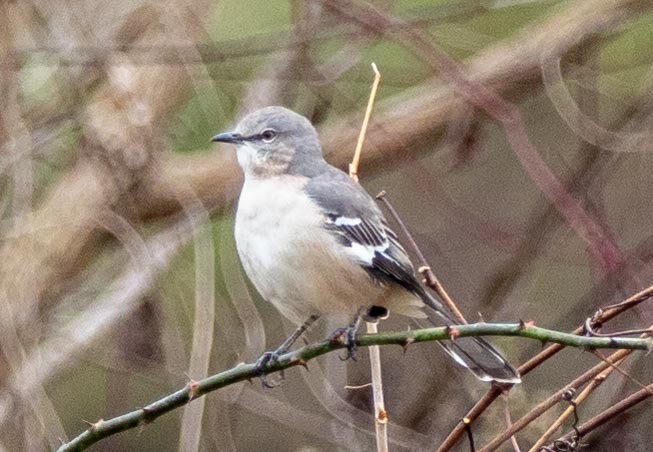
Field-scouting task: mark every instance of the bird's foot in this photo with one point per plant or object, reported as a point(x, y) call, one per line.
point(347, 337)
point(271, 357)
point(267, 358)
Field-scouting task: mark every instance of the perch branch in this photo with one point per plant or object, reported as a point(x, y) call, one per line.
point(102, 429)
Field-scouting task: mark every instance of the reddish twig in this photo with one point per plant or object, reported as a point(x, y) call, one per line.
point(424, 268)
point(506, 413)
point(615, 366)
point(610, 413)
point(491, 395)
point(552, 400)
point(611, 362)
point(580, 221)
point(595, 383)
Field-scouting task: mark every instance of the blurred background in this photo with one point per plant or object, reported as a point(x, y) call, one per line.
point(119, 278)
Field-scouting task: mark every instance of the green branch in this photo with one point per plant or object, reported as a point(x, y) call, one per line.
point(102, 429)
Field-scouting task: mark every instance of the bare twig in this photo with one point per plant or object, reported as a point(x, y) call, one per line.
point(353, 166)
point(429, 277)
point(542, 407)
point(596, 382)
point(615, 366)
point(607, 363)
point(506, 413)
point(380, 414)
point(491, 395)
point(610, 413)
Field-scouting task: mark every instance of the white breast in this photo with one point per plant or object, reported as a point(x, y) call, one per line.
point(295, 263)
point(273, 236)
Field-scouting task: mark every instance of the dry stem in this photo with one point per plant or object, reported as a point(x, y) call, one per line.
point(353, 166)
point(380, 415)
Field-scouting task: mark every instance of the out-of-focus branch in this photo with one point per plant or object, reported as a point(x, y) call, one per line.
point(491, 395)
point(103, 428)
point(615, 410)
point(595, 383)
point(98, 319)
point(121, 124)
point(599, 241)
point(404, 120)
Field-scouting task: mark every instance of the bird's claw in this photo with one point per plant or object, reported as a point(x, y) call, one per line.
point(269, 357)
point(347, 337)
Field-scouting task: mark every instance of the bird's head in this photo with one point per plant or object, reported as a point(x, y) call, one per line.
point(275, 141)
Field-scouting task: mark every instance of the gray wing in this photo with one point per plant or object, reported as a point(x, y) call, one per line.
point(353, 216)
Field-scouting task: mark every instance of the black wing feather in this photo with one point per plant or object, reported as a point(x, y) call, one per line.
point(339, 197)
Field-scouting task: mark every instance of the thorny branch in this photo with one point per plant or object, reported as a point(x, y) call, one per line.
point(194, 389)
point(602, 316)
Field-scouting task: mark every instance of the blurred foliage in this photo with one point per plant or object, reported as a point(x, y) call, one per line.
point(492, 237)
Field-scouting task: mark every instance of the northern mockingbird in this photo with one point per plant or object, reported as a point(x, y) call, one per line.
point(314, 243)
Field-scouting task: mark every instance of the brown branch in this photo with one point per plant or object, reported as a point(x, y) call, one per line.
point(607, 415)
point(404, 120)
point(595, 383)
point(491, 395)
point(424, 268)
point(552, 400)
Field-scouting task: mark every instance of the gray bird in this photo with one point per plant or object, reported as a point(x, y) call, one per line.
point(314, 243)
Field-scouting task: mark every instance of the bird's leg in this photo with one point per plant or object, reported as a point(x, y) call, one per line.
point(273, 356)
point(347, 336)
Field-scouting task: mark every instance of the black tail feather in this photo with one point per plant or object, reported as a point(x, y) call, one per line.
point(474, 353)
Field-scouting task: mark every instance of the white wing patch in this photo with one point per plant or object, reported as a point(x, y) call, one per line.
point(346, 221)
point(365, 238)
point(365, 253)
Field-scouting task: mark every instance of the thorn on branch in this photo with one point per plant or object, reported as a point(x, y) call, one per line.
point(452, 332)
point(407, 342)
point(93, 425)
point(193, 389)
point(337, 340)
point(526, 324)
point(147, 415)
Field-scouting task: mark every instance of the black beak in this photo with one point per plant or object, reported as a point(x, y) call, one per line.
point(228, 137)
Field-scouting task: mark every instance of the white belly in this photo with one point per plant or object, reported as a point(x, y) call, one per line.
point(299, 267)
point(292, 266)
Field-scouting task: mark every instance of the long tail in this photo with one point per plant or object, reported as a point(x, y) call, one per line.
point(474, 353)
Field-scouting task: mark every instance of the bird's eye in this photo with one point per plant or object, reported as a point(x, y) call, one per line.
point(268, 135)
